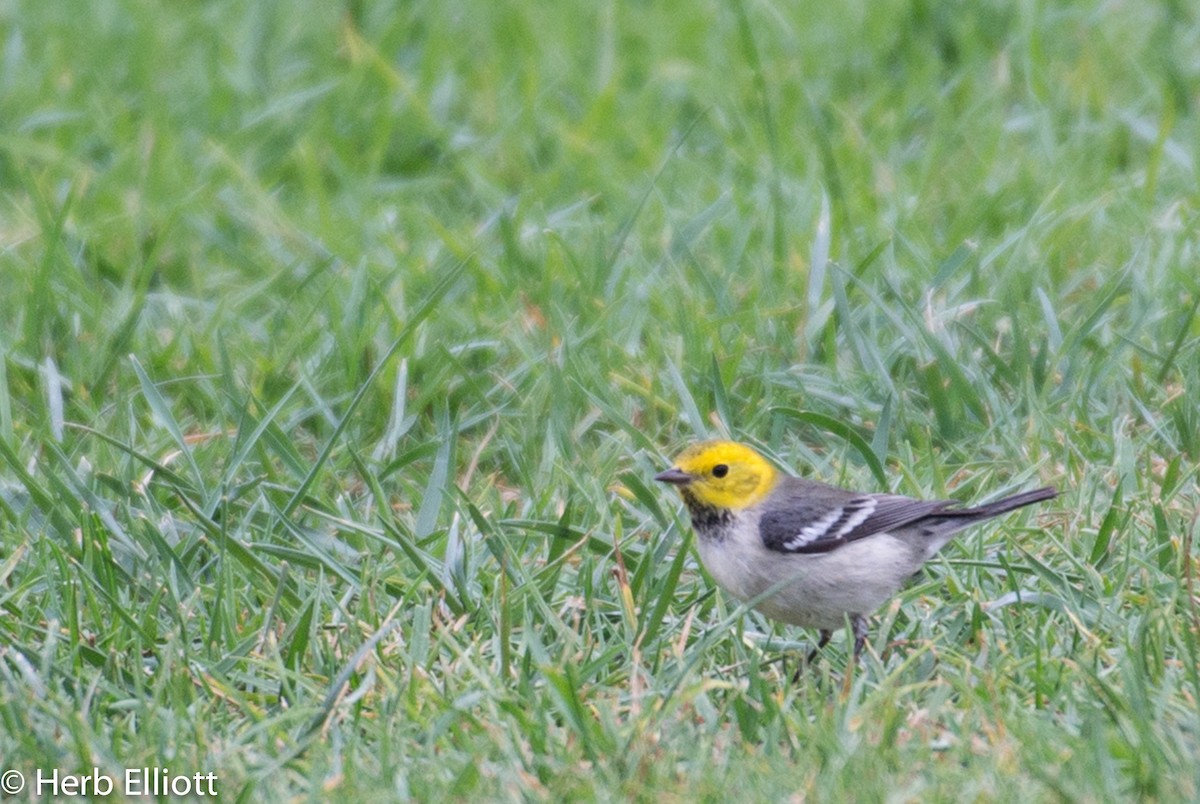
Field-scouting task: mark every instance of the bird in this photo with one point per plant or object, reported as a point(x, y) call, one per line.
point(808, 553)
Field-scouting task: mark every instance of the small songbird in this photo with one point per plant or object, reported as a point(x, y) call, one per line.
point(812, 554)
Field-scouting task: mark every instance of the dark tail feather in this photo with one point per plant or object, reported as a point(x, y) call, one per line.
point(1004, 506)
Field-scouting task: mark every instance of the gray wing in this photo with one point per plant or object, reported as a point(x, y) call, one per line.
point(822, 518)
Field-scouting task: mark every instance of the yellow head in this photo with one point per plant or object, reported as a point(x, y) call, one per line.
point(721, 474)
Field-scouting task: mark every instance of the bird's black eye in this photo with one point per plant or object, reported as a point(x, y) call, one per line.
point(720, 470)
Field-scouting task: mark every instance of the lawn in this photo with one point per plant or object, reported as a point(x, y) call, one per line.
point(340, 343)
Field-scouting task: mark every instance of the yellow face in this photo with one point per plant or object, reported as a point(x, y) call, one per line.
point(721, 474)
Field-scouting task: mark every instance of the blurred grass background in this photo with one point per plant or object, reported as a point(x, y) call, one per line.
point(339, 343)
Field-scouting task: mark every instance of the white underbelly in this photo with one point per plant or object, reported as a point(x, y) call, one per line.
point(813, 590)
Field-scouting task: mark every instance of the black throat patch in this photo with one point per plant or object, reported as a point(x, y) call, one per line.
point(709, 522)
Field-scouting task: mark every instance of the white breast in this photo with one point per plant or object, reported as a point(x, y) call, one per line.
point(814, 590)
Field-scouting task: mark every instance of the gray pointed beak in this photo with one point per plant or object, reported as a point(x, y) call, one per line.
point(674, 476)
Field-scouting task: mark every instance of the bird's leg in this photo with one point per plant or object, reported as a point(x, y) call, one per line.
point(858, 625)
point(822, 641)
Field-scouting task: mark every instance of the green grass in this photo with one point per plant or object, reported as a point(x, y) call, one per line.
point(339, 345)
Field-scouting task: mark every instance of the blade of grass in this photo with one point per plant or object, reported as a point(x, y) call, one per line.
point(423, 311)
point(839, 428)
